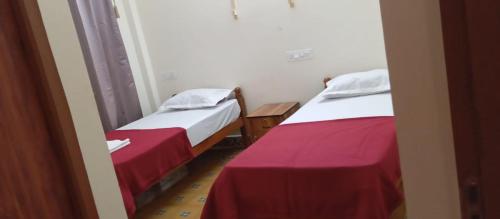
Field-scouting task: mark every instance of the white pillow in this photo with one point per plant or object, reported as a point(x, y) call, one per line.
point(196, 99)
point(358, 84)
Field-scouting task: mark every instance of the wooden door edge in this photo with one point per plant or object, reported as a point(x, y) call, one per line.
point(460, 87)
point(56, 107)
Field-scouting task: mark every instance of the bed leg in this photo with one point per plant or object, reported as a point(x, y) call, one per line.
point(244, 135)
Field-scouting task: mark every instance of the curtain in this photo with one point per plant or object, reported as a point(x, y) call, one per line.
point(107, 62)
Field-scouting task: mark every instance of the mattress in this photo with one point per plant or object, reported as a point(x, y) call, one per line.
point(347, 168)
point(199, 123)
point(335, 158)
point(321, 109)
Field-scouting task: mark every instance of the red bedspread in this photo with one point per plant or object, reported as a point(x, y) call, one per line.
point(149, 157)
point(342, 169)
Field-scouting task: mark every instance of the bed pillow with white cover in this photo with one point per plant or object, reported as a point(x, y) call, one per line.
point(197, 99)
point(358, 84)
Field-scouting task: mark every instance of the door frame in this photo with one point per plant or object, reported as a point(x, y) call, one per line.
point(460, 85)
point(470, 37)
point(56, 108)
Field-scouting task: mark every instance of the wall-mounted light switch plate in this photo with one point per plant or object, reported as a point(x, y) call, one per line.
point(299, 55)
point(169, 76)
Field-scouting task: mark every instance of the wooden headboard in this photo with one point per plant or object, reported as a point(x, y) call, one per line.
point(326, 80)
point(241, 101)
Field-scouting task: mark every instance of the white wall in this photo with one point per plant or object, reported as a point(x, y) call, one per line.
point(420, 91)
point(201, 45)
point(72, 70)
point(138, 55)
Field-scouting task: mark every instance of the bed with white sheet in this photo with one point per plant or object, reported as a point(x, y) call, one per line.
point(169, 138)
point(321, 109)
point(334, 158)
point(200, 124)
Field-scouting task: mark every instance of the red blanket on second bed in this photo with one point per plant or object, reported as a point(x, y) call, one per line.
point(342, 169)
point(149, 157)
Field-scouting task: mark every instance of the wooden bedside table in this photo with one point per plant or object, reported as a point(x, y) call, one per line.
point(268, 116)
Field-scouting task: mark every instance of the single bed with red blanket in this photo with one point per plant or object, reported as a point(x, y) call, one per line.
point(168, 139)
point(334, 159)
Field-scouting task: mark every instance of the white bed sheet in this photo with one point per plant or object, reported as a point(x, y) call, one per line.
point(199, 123)
point(321, 109)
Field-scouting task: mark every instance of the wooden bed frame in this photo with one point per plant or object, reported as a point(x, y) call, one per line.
point(211, 141)
point(326, 80)
point(229, 129)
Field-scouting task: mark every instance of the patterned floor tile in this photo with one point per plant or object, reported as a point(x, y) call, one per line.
point(186, 199)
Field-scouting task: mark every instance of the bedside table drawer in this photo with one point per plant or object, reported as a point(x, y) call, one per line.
point(267, 123)
point(269, 116)
point(264, 123)
point(261, 126)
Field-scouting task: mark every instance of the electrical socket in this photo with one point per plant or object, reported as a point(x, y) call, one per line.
point(299, 55)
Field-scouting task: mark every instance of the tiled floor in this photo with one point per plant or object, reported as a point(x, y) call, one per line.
point(186, 199)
